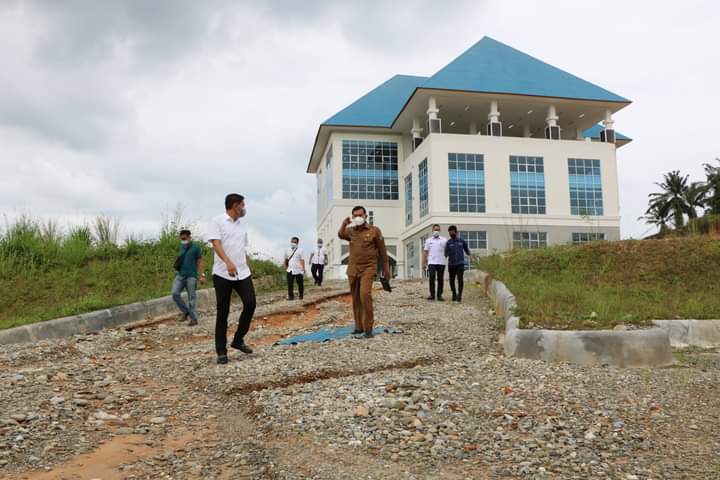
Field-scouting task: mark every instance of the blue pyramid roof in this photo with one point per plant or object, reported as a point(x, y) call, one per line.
point(379, 107)
point(491, 66)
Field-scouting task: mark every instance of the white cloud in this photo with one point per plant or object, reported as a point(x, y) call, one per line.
point(132, 107)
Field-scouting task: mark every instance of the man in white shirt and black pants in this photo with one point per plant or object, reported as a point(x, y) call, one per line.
point(318, 259)
point(434, 258)
point(295, 267)
point(231, 272)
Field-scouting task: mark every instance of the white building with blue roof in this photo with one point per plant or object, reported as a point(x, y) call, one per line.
point(515, 152)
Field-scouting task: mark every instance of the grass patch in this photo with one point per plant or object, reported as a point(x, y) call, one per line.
point(603, 284)
point(46, 273)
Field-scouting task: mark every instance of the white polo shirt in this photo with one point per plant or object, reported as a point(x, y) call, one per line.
point(294, 263)
point(436, 250)
point(319, 256)
point(234, 240)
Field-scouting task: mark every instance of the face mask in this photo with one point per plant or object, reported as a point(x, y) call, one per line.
point(319, 245)
point(436, 234)
point(358, 221)
point(184, 242)
point(293, 245)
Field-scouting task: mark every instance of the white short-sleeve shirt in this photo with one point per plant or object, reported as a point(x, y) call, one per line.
point(234, 240)
point(295, 263)
point(436, 250)
point(318, 257)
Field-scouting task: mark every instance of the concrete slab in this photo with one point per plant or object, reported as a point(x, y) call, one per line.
point(691, 333)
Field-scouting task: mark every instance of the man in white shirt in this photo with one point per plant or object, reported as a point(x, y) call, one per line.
point(434, 259)
point(229, 239)
point(295, 267)
point(318, 260)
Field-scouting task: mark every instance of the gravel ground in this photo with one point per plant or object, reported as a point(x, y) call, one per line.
point(435, 400)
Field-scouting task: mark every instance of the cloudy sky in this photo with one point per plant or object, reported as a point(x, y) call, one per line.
point(132, 107)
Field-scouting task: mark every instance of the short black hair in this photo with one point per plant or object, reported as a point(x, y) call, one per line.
point(184, 231)
point(231, 199)
point(359, 207)
point(452, 228)
point(296, 239)
point(436, 225)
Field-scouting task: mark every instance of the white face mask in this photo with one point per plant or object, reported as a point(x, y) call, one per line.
point(319, 245)
point(184, 242)
point(358, 221)
point(436, 234)
point(293, 245)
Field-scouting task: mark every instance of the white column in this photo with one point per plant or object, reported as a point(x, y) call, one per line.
point(552, 117)
point(473, 128)
point(432, 110)
point(608, 123)
point(526, 131)
point(578, 133)
point(494, 115)
point(416, 130)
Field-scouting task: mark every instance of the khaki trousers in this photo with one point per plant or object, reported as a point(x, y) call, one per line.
point(362, 303)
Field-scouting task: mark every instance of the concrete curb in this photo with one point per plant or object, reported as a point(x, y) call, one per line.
point(634, 348)
point(101, 319)
point(691, 333)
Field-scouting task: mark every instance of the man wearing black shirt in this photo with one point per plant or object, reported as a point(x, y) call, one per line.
point(455, 249)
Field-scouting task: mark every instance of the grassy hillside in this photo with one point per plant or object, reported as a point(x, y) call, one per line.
point(603, 284)
point(46, 274)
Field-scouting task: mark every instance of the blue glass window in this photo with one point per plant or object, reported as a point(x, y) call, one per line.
point(585, 187)
point(529, 239)
point(466, 173)
point(408, 199)
point(423, 181)
point(527, 185)
point(476, 240)
point(370, 170)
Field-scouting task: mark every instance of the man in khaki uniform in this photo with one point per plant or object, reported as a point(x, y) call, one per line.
point(366, 244)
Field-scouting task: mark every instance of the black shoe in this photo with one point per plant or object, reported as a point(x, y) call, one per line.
point(242, 347)
point(440, 299)
point(357, 332)
point(290, 298)
point(431, 298)
point(369, 334)
point(459, 299)
point(301, 297)
point(192, 323)
point(454, 299)
point(184, 317)
point(222, 359)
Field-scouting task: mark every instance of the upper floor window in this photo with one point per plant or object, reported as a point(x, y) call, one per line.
point(529, 239)
point(423, 184)
point(466, 173)
point(370, 170)
point(408, 199)
point(527, 185)
point(584, 237)
point(585, 187)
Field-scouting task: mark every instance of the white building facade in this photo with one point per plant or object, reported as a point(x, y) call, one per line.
point(514, 152)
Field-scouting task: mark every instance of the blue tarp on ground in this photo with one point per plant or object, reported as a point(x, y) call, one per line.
point(328, 334)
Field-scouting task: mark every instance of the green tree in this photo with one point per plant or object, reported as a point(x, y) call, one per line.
point(659, 215)
point(674, 198)
point(712, 187)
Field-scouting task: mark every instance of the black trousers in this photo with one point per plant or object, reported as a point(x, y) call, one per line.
point(299, 278)
point(456, 271)
point(223, 293)
point(436, 271)
point(317, 273)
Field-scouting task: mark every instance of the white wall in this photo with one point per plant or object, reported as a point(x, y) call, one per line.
point(496, 152)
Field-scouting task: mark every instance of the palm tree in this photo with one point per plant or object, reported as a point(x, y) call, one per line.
point(712, 185)
point(695, 196)
point(657, 214)
point(673, 199)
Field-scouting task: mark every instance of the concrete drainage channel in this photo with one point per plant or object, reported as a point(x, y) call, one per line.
point(133, 316)
point(635, 348)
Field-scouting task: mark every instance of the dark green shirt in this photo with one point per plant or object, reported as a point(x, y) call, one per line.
point(189, 264)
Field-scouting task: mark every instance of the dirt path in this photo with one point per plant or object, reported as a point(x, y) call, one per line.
point(436, 400)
